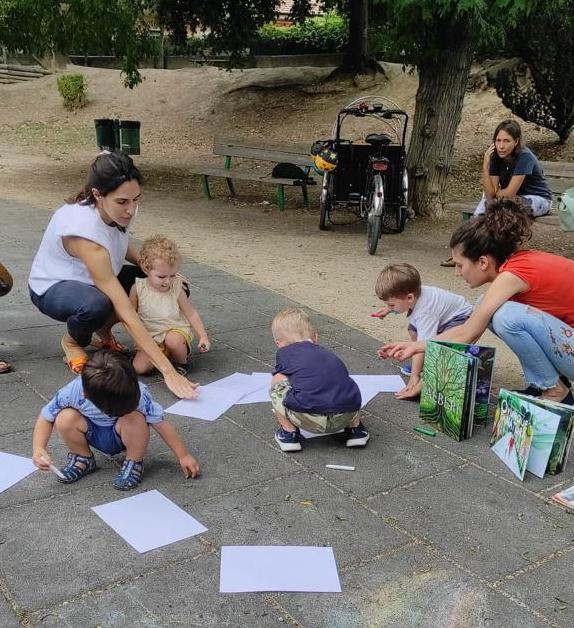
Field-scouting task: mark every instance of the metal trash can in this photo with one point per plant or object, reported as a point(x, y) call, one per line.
point(130, 137)
point(106, 136)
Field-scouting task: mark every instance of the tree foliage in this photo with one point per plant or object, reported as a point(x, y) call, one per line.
point(544, 94)
point(439, 38)
point(41, 26)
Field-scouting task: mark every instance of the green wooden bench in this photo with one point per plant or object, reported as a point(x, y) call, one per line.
point(560, 176)
point(252, 150)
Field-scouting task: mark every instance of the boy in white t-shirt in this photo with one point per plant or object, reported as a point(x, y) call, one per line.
point(429, 310)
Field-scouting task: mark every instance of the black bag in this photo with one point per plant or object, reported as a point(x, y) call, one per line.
point(6, 281)
point(286, 170)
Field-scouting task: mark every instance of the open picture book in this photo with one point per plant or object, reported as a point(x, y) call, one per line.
point(531, 434)
point(456, 382)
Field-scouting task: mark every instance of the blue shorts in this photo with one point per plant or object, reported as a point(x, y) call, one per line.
point(105, 439)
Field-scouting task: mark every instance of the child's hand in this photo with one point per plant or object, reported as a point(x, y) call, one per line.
point(382, 312)
point(203, 344)
point(189, 466)
point(41, 459)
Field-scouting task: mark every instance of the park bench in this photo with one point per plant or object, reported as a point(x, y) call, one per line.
point(560, 176)
point(251, 150)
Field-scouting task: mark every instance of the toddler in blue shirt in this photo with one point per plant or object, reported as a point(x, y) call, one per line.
point(108, 409)
point(311, 387)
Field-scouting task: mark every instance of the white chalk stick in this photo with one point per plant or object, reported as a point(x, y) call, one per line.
point(340, 467)
point(57, 471)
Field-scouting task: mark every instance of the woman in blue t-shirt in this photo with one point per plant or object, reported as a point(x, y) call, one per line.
point(509, 169)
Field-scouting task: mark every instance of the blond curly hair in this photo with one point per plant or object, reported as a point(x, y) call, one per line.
point(158, 247)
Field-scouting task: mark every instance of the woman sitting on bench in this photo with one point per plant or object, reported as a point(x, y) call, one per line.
point(509, 169)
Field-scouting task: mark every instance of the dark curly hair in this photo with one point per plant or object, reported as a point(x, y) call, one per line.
point(505, 226)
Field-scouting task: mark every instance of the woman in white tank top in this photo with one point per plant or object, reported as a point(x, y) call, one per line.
point(78, 275)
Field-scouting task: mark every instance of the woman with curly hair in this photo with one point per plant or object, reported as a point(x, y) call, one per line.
point(529, 303)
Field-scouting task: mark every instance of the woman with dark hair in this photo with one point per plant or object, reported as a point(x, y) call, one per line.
point(510, 169)
point(529, 303)
point(78, 275)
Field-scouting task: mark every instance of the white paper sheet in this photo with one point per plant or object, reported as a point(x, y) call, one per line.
point(13, 469)
point(149, 520)
point(309, 435)
point(278, 568)
point(381, 383)
point(261, 394)
point(211, 403)
point(371, 385)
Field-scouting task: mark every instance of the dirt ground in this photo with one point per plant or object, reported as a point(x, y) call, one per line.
point(45, 151)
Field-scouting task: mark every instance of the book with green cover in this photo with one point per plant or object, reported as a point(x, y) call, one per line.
point(485, 365)
point(449, 383)
point(531, 434)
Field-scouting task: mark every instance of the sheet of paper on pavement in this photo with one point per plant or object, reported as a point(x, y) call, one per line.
point(211, 403)
point(13, 469)
point(149, 520)
point(278, 568)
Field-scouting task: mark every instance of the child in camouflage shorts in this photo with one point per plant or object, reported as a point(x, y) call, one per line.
point(311, 387)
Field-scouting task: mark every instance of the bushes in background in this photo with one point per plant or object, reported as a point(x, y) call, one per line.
point(72, 88)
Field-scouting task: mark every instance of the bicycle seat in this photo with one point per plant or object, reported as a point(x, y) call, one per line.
point(378, 139)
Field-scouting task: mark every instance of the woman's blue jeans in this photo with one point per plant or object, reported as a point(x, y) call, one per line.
point(83, 307)
point(543, 343)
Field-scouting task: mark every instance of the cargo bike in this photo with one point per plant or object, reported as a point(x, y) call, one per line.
point(366, 177)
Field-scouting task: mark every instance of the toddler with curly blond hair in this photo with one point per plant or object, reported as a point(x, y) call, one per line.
point(163, 305)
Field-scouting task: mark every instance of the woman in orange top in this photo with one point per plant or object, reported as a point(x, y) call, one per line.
point(529, 304)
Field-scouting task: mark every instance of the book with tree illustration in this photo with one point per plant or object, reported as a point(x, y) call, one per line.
point(531, 434)
point(456, 382)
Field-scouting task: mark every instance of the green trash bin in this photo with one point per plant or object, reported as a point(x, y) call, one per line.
point(130, 137)
point(106, 136)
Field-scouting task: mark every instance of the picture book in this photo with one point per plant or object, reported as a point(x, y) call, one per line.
point(456, 387)
point(531, 434)
point(565, 498)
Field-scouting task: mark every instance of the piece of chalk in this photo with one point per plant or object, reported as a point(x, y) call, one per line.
point(425, 430)
point(340, 467)
point(57, 471)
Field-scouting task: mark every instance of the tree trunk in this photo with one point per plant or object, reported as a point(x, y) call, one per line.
point(439, 99)
point(357, 59)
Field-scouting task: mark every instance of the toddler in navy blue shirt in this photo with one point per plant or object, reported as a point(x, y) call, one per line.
point(311, 387)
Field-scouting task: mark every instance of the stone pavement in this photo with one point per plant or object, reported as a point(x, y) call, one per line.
point(426, 531)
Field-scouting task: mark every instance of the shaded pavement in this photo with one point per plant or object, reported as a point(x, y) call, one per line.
point(426, 531)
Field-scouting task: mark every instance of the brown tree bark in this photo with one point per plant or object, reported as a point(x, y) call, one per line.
point(439, 100)
point(357, 59)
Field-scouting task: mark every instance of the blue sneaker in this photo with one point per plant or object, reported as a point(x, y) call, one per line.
point(288, 441)
point(357, 436)
point(406, 369)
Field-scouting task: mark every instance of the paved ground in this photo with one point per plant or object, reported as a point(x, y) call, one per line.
point(426, 531)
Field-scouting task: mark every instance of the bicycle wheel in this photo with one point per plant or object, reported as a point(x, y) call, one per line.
point(325, 205)
point(374, 227)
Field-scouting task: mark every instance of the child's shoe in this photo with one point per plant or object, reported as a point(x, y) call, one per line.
point(130, 475)
point(288, 441)
point(76, 468)
point(406, 369)
point(357, 436)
